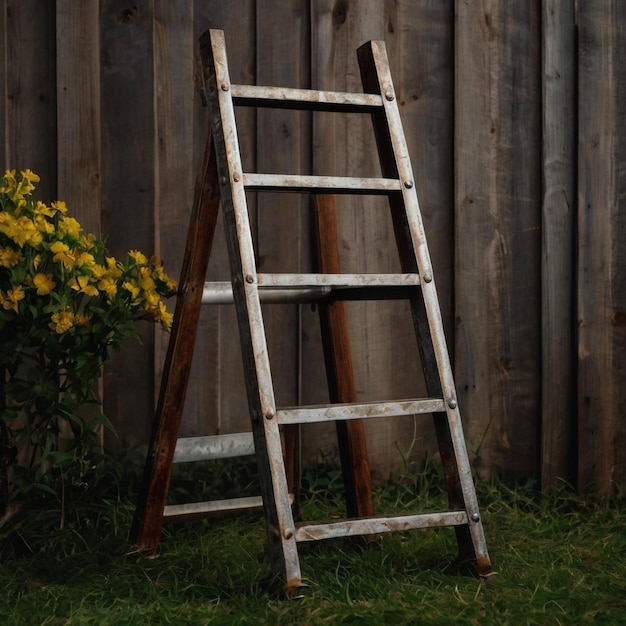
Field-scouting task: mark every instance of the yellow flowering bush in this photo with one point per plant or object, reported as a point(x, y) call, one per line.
point(65, 303)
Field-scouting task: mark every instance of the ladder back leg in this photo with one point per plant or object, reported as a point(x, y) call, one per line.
point(148, 519)
point(339, 371)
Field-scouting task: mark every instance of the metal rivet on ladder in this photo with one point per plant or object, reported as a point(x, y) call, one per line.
point(249, 279)
point(475, 517)
point(224, 86)
point(236, 177)
point(408, 184)
point(452, 403)
point(427, 278)
point(269, 414)
point(389, 96)
point(288, 534)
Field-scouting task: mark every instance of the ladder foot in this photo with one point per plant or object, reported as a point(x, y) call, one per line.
point(294, 589)
point(477, 567)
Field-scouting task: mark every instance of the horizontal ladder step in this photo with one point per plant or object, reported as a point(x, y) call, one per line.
point(321, 184)
point(312, 287)
point(305, 99)
point(191, 510)
point(193, 449)
point(375, 525)
point(363, 410)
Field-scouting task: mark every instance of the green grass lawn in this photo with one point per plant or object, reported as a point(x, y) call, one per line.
point(559, 560)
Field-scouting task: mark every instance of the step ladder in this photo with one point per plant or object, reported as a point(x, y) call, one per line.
point(249, 288)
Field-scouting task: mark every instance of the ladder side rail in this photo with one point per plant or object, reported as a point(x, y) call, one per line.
point(147, 522)
point(277, 507)
point(395, 160)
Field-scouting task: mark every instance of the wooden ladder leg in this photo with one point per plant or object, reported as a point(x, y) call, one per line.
point(148, 519)
point(339, 370)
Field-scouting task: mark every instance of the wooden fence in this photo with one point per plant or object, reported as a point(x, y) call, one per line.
point(516, 121)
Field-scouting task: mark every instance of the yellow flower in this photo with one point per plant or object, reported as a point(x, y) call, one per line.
point(30, 176)
point(11, 183)
point(85, 259)
point(113, 268)
point(43, 225)
point(138, 257)
point(62, 254)
point(108, 285)
point(62, 321)
point(9, 257)
point(81, 284)
point(60, 206)
point(160, 275)
point(145, 279)
point(165, 317)
point(70, 226)
point(151, 298)
point(21, 231)
point(132, 288)
point(42, 209)
point(12, 298)
point(44, 284)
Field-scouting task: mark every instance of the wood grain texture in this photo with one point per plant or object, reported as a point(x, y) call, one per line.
point(346, 146)
point(558, 423)
point(79, 147)
point(498, 199)
point(128, 192)
point(601, 251)
point(30, 81)
point(419, 41)
point(174, 174)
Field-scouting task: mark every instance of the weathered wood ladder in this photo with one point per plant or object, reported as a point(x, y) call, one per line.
point(223, 168)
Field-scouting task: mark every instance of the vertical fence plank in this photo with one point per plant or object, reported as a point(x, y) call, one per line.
point(128, 182)
point(498, 231)
point(558, 416)
point(419, 39)
point(346, 146)
point(4, 144)
point(601, 250)
point(174, 174)
point(283, 145)
point(78, 111)
point(31, 91)
point(217, 389)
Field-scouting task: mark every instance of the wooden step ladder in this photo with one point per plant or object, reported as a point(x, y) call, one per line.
point(250, 288)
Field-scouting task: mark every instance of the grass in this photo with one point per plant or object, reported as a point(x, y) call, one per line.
point(560, 560)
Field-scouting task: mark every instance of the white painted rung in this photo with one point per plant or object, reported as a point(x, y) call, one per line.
point(332, 412)
point(282, 97)
point(192, 449)
point(311, 287)
point(375, 525)
point(321, 184)
point(176, 512)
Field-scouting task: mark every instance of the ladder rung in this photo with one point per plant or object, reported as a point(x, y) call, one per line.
point(190, 510)
point(192, 449)
point(337, 281)
point(281, 288)
point(321, 184)
point(374, 525)
point(305, 99)
point(332, 412)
